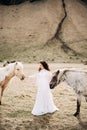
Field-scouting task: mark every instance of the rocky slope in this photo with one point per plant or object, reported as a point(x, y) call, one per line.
point(52, 30)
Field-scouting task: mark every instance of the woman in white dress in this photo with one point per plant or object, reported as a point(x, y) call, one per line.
point(44, 101)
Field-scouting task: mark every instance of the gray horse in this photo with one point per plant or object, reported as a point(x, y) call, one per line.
point(77, 79)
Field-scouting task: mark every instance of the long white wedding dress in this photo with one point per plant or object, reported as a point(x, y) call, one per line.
point(44, 100)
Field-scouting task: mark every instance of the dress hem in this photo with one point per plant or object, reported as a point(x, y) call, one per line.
point(45, 113)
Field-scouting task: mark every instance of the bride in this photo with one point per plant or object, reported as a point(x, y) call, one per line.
point(44, 101)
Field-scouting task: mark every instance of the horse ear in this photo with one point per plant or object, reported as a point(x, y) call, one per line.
point(8, 62)
point(16, 63)
point(5, 63)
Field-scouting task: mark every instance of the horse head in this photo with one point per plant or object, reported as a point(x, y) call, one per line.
point(8, 62)
point(54, 81)
point(18, 70)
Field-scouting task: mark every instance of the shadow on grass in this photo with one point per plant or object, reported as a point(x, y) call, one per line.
point(38, 122)
point(81, 123)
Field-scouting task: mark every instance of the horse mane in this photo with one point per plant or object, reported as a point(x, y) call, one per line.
point(8, 62)
point(74, 77)
point(66, 74)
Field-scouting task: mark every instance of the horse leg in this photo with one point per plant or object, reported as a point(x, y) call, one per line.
point(86, 98)
point(79, 97)
point(0, 95)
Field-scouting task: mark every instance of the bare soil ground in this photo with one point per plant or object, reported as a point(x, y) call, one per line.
point(19, 98)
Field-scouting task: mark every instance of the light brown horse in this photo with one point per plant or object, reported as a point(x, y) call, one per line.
point(7, 73)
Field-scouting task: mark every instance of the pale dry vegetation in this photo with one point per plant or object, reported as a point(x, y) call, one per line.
point(19, 98)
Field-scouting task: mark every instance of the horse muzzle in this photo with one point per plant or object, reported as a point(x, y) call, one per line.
point(22, 78)
point(53, 85)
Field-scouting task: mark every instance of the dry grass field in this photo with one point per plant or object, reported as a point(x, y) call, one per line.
point(19, 98)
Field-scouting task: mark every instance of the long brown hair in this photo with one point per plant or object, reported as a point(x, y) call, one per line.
point(45, 65)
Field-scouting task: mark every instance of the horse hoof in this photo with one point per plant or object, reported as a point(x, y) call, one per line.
point(76, 114)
